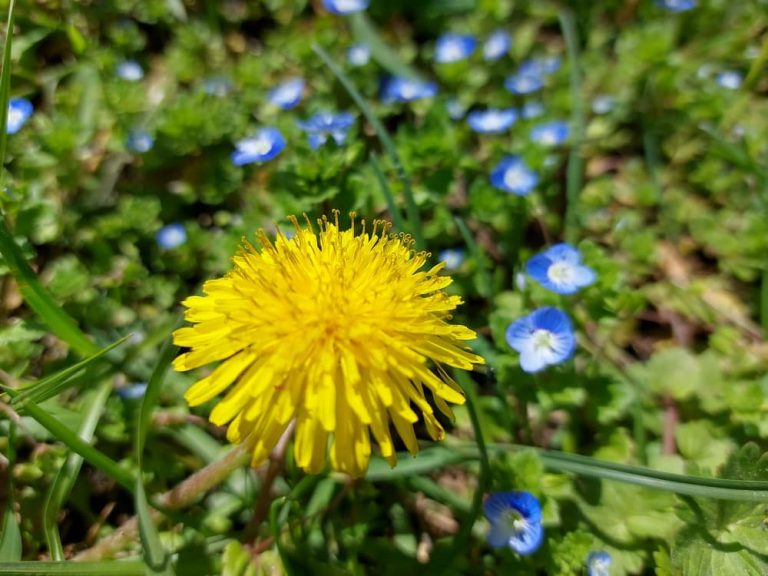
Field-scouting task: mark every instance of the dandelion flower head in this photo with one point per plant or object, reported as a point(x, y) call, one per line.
point(341, 331)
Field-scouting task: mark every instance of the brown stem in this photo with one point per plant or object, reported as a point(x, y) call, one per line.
point(276, 461)
point(182, 495)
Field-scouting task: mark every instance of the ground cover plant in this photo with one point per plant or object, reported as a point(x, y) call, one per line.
point(350, 287)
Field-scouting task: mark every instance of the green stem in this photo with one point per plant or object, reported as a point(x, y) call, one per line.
point(574, 177)
point(411, 209)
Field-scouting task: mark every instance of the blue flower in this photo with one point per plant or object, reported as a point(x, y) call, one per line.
point(515, 519)
point(400, 89)
point(19, 111)
point(139, 141)
point(171, 236)
point(677, 5)
point(523, 83)
point(359, 54)
point(219, 86)
point(559, 269)
point(345, 6)
point(325, 124)
point(729, 79)
point(455, 109)
point(599, 564)
point(543, 338)
point(263, 146)
point(132, 392)
point(602, 104)
point(492, 120)
point(454, 47)
point(540, 66)
point(550, 133)
point(453, 258)
point(129, 70)
point(288, 94)
point(497, 45)
point(532, 110)
point(512, 175)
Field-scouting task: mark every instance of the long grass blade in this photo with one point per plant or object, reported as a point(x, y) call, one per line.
point(10, 537)
point(366, 33)
point(37, 297)
point(485, 284)
point(54, 384)
point(67, 476)
point(5, 87)
point(155, 555)
point(113, 568)
point(575, 172)
point(412, 211)
point(95, 457)
point(394, 211)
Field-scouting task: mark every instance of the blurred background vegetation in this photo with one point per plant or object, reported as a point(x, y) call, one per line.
point(662, 185)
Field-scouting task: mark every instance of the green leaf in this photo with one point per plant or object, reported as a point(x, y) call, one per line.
point(155, 555)
point(54, 384)
point(725, 537)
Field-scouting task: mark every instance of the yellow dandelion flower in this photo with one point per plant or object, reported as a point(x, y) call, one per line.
point(338, 330)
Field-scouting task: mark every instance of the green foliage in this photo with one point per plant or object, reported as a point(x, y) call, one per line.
point(664, 194)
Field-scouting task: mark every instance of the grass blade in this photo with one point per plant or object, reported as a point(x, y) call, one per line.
point(5, 87)
point(394, 211)
point(10, 537)
point(365, 32)
point(113, 568)
point(54, 384)
point(575, 174)
point(412, 211)
point(155, 556)
point(67, 476)
point(486, 286)
point(38, 298)
point(95, 457)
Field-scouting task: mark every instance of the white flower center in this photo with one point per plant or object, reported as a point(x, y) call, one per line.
point(408, 90)
point(548, 137)
point(560, 273)
point(491, 120)
point(15, 116)
point(543, 340)
point(347, 5)
point(495, 46)
point(452, 51)
point(515, 177)
point(256, 146)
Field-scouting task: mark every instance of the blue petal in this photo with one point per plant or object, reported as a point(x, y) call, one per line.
point(551, 319)
point(343, 7)
point(498, 506)
point(598, 564)
point(288, 94)
point(564, 252)
point(454, 47)
point(317, 140)
point(497, 45)
point(538, 267)
point(518, 334)
point(19, 111)
point(532, 361)
point(529, 540)
point(525, 503)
